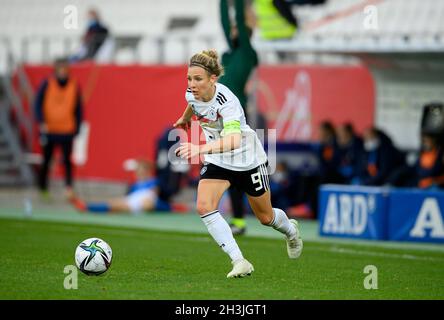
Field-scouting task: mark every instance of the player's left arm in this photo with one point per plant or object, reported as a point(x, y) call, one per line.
point(230, 140)
point(231, 134)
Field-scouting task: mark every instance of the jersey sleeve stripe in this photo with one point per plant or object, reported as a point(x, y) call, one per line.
point(222, 96)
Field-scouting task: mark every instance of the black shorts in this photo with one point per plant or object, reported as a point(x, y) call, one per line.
point(254, 182)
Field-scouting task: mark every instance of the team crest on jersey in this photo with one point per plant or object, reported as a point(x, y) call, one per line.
point(209, 118)
point(212, 114)
point(203, 170)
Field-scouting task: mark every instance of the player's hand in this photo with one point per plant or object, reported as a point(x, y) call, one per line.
point(182, 123)
point(187, 150)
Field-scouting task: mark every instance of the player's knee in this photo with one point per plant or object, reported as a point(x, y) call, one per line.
point(265, 219)
point(203, 207)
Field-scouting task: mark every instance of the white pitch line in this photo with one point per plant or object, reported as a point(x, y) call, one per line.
point(378, 254)
point(432, 247)
point(135, 232)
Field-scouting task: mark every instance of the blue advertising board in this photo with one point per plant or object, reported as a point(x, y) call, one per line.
point(353, 211)
point(416, 215)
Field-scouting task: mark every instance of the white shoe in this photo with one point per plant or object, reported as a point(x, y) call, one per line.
point(241, 268)
point(294, 245)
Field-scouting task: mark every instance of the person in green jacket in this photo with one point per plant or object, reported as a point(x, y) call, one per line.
point(241, 58)
point(239, 62)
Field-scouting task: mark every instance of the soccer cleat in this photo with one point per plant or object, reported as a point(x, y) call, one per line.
point(295, 245)
point(78, 204)
point(241, 268)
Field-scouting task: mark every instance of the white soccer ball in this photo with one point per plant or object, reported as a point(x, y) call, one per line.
point(93, 256)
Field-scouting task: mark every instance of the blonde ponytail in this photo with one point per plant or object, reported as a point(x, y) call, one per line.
point(208, 60)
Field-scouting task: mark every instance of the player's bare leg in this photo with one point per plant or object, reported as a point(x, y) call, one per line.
point(209, 193)
point(118, 205)
point(148, 204)
point(111, 206)
point(277, 219)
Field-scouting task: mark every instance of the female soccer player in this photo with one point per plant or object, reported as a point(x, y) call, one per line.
point(233, 156)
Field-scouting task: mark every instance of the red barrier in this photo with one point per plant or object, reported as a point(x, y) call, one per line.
point(295, 99)
point(128, 107)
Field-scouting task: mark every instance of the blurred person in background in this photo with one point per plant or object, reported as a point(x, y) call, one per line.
point(351, 150)
point(59, 113)
point(280, 186)
point(328, 154)
point(381, 159)
point(142, 195)
point(239, 62)
point(93, 39)
point(169, 174)
point(276, 20)
point(430, 165)
point(428, 170)
point(329, 158)
point(305, 2)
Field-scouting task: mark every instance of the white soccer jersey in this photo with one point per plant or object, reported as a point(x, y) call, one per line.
point(223, 108)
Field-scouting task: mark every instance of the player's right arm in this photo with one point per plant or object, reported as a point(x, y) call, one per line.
point(184, 121)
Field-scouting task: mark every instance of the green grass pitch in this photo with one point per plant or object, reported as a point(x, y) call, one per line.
point(169, 265)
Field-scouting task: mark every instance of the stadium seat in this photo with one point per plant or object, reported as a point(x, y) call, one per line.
point(149, 18)
point(335, 25)
point(339, 25)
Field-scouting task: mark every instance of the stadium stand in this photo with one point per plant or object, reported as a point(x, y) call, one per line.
point(337, 26)
point(39, 34)
point(397, 43)
point(367, 26)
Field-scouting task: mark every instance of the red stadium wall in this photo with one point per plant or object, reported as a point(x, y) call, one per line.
point(295, 99)
point(128, 107)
